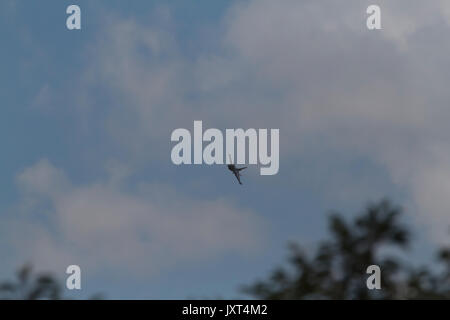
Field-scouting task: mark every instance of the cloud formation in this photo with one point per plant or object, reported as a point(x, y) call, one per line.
point(311, 69)
point(379, 95)
point(103, 227)
point(336, 91)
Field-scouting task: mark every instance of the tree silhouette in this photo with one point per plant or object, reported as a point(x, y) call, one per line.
point(31, 287)
point(337, 270)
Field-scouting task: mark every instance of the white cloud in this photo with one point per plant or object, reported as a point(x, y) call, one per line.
point(101, 227)
point(346, 90)
point(310, 68)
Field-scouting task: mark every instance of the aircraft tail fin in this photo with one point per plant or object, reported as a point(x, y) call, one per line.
point(229, 157)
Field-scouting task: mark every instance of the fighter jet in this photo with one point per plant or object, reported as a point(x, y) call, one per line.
point(236, 171)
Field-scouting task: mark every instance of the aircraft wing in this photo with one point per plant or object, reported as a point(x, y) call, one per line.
point(238, 177)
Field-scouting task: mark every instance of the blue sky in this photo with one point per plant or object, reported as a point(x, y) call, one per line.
point(86, 176)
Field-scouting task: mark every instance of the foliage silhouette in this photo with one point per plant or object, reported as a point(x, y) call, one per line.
point(31, 287)
point(337, 270)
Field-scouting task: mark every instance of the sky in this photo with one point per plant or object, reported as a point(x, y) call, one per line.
point(86, 176)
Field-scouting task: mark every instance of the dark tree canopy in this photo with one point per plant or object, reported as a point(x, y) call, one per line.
point(337, 270)
point(29, 286)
